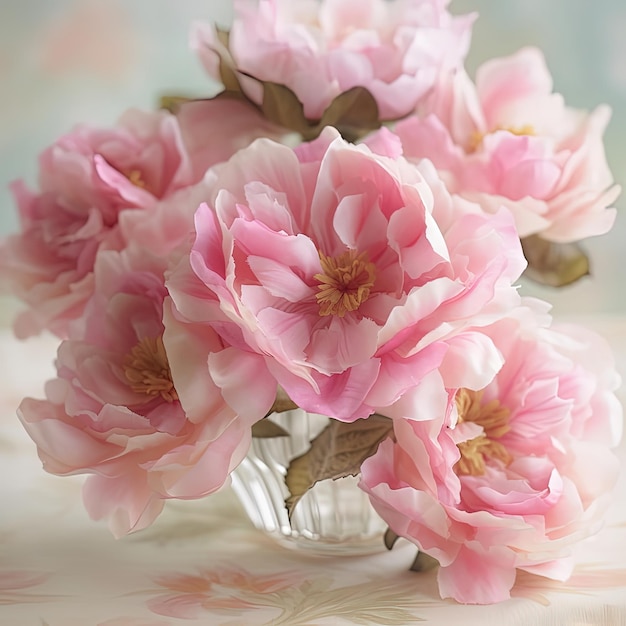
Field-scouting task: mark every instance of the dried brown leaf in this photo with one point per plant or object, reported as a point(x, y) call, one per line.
point(227, 66)
point(554, 264)
point(338, 451)
point(423, 563)
point(265, 428)
point(172, 103)
point(223, 36)
point(354, 113)
point(281, 106)
point(282, 403)
point(390, 538)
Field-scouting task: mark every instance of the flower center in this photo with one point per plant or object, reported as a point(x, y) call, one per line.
point(477, 137)
point(136, 178)
point(147, 370)
point(345, 282)
point(494, 419)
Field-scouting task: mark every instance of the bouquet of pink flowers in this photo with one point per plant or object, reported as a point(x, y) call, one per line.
point(340, 229)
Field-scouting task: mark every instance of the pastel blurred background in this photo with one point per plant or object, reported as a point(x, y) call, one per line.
point(69, 61)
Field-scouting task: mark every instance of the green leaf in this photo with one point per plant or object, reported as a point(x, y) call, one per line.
point(265, 429)
point(554, 264)
point(338, 451)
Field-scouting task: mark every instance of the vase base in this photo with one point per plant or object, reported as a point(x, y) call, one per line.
point(352, 546)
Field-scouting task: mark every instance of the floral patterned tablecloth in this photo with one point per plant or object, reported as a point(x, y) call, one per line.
point(202, 563)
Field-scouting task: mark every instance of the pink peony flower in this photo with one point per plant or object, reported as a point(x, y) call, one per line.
point(89, 178)
point(349, 274)
point(511, 476)
point(509, 140)
point(126, 406)
point(86, 179)
point(394, 49)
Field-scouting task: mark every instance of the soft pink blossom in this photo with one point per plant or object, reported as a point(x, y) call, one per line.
point(86, 179)
point(264, 272)
point(510, 140)
point(320, 49)
point(126, 406)
point(518, 483)
point(91, 179)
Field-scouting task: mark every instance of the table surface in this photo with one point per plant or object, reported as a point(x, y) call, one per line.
point(202, 563)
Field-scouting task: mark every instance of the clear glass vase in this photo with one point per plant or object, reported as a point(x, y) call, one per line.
point(334, 517)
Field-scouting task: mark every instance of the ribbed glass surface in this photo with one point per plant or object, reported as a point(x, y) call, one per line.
point(335, 516)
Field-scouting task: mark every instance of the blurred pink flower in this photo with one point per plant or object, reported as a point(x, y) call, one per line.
point(117, 410)
point(394, 49)
point(349, 275)
point(509, 140)
point(86, 179)
point(511, 476)
point(92, 36)
point(90, 179)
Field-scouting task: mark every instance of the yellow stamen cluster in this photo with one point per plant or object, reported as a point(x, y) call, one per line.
point(494, 419)
point(345, 283)
point(477, 137)
point(136, 178)
point(147, 370)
